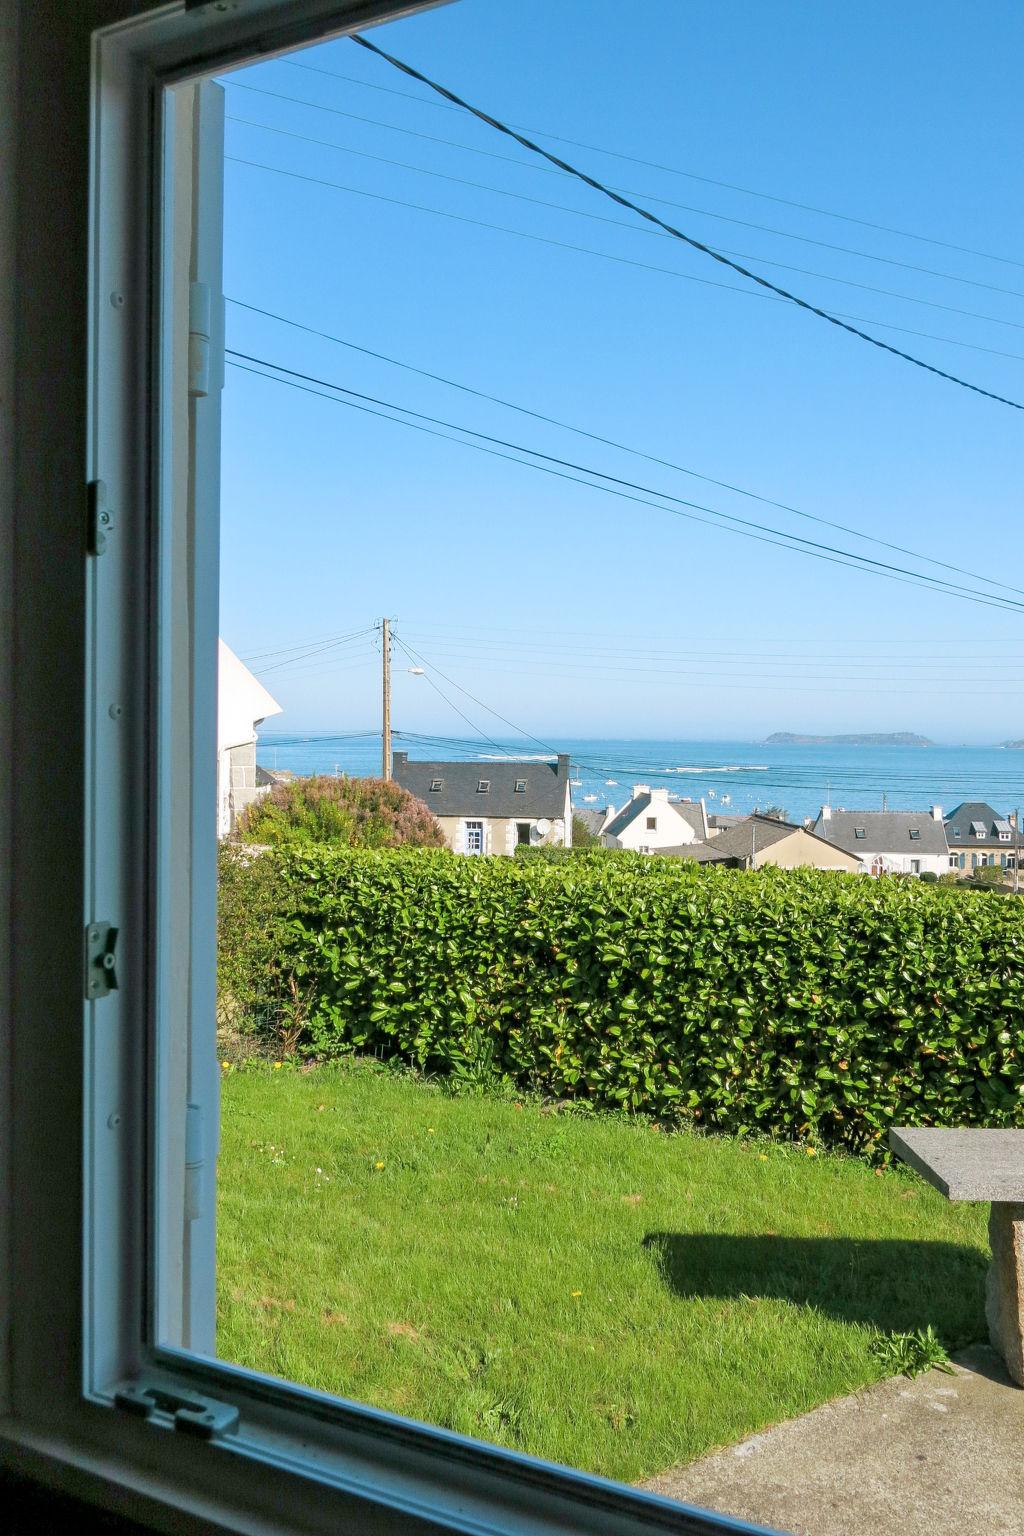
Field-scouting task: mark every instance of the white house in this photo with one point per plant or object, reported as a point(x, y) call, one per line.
point(493, 807)
point(650, 821)
point(889, 842)
point(242, 704)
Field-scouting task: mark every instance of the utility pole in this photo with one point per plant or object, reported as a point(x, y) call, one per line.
point(385, 656)
point(885, 801)
point(1016, 851)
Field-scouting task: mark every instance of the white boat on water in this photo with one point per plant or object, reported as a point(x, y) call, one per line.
point(576, 783)
point(611, 781)
point(590, 797)
point(711, 794)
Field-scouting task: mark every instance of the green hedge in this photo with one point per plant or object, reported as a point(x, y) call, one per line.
point(799, 1003)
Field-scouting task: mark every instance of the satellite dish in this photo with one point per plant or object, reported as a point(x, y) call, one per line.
point(543, 826)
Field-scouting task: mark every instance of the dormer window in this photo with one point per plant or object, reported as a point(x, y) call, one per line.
point(520, 786)
point(436, 784)
point(483, 786)
point(915, 833)
point(860, 831)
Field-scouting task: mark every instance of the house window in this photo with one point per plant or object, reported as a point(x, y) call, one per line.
point(915, 866)
point(956, 831)
point(474, 837)
point(652, 823)
point(483, 786)
point(860, 832)
point(436, 784)
point(520, 786)
point(915, 833)
point(1004, 837)
point(523, 833)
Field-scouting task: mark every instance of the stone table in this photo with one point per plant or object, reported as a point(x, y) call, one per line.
point(983, 1165)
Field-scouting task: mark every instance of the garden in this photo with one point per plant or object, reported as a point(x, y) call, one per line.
point(587, 1157)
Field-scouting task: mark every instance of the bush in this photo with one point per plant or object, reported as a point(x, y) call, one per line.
point(796, 1003)
point(928, 876)
point(358, 813)
point(582, 837)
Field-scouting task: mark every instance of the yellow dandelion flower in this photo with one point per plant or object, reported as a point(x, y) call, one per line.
point(378, 1165)
point(577, 1293)
point(811, 1151)
point(763, 1156)
point(430, 1130)
point(226, 1065)
point(278, 1065)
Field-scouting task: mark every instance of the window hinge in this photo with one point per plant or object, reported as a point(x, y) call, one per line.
point(98, 521)
point(100, 960)
point(204, 1417)
point(199, 324)
point(194, 1160)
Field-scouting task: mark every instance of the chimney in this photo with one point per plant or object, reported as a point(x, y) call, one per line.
point(936, 813)
point(641, 789)
point(826, 813)
point(659, 794)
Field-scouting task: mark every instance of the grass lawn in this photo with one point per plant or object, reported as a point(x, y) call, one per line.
point(582, 1288)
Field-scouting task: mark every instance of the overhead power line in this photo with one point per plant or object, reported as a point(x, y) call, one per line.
point(625, 448)
point(617, 486)
point(586, 250)
point(451, 681)
point(633, 228)
point(674, 170)
point(689, 240)
point(302, 645)
point(650, 197)
point(451, 704)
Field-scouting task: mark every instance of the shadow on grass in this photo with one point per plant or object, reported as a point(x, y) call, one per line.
point(891, 1284)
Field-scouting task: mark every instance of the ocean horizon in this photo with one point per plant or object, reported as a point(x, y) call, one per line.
point(732, 776)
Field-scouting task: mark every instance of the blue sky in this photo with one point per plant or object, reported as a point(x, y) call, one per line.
point(569, 611)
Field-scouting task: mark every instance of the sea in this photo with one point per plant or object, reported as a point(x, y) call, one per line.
point(733, 777)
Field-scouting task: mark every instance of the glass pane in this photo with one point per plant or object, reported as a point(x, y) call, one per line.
point(548, 1000)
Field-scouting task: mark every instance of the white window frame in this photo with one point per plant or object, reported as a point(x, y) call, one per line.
point(75, 1154)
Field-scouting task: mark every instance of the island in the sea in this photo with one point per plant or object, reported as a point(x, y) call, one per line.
point(861, 739)
point(1013, 746)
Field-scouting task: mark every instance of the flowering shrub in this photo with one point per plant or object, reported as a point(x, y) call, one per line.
point(360, 813)
point(797, 1003)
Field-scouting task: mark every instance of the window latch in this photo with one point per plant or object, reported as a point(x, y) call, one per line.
point(98, 520)
point(204, 1417)
point(100, 960)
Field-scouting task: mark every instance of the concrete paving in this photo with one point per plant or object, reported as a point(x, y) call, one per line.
point(942, 1455)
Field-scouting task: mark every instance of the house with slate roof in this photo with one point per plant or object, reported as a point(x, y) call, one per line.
point(889, 842)
point(756, 840)
point(593, 819)
point(650, 821)
point(493, 807)
point(978, 836)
